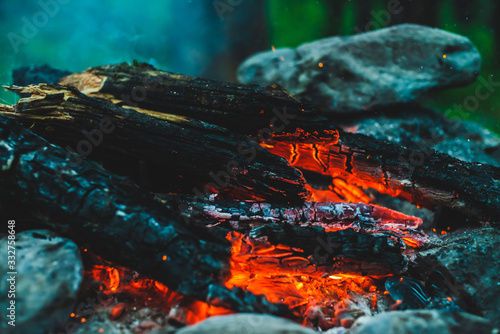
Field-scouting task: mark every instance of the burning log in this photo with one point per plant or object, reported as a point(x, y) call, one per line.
point(345, 251)
point(335, 237)
point(438, 179)
point(125, 225)
point(166, 153)
point(241, 108)
point(245, 216)
point(421, 176)
point(117, 220)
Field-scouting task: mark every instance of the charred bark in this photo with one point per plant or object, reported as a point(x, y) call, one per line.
point(117, 220)
point(421, 176)
point(165, 153)
point(424, 177)
point(246, 109)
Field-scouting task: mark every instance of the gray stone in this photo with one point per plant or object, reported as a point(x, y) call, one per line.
point(365, 71)
point(246, 323)
point(422, 322)
point(425, 128)
point(472, 257)
point(49, 273)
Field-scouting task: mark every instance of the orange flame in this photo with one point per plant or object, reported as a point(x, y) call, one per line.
point(120, 280)
point(284, 278)
point(318, 152)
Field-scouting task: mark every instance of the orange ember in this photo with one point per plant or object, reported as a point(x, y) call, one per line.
point(118, 280)
point(283, 277)
point(281, 273)
point(320, 153)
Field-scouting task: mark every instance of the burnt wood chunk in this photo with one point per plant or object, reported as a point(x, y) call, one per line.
point(162, 152)
point(424, 177)
point(117, 220)
point(344, 251)
point(241, 108)
point(245, 216)
point(333, 238)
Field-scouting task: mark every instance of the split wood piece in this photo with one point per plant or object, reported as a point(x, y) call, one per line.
point(165, 153)
point(242, 108)
point(426, 178)
point(115, 219)
point(112, 217)
point(245, 216)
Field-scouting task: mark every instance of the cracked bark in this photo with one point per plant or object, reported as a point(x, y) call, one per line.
point(423, 177)
point(117, 220)
point(472, 189)
point(164, 153)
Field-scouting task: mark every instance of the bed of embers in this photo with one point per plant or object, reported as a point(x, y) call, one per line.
point(198, 198)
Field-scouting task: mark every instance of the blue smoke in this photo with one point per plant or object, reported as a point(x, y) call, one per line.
point(181, 36)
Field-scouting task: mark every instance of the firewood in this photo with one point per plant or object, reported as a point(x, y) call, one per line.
point(433, 179)
point(241, 108)
point(424, 177)
point(117, 220)
point(345, 251)
point(166, 153)
point(121, 222)
point(332, 238)
point(246, 216)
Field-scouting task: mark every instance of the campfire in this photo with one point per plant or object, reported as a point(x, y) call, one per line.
point(200, 198)
point(321, 292)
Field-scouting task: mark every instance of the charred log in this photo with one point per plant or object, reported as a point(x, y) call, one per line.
point(330, 237)
point(165, 153)
point(344, 251)
point(244, 217)
point(435, 179)
point(421, 176)
point(117, 220)
point(241, 108)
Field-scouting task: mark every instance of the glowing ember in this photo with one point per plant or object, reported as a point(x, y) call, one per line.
point(284, 278)
point(320, 294)
point(119, 281)
point(319, 297)
point(319, 152)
